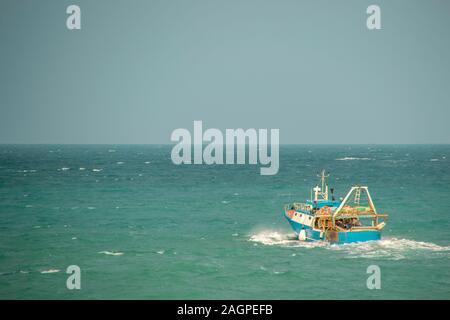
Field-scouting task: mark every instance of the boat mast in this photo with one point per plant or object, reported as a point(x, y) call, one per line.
point(323, 192)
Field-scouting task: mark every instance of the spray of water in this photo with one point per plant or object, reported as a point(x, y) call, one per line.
point(389, 248)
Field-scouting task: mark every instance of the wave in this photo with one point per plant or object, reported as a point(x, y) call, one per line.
point(274, 238)
point(112, 253)
point(352, 158)
point(388, 248)
point(50, 271)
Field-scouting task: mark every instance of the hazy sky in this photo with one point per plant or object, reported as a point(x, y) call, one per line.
point(137, 70)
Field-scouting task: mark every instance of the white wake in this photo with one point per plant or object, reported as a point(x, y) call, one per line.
point(388, 248)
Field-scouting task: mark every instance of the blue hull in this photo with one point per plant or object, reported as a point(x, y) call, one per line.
point(339, 237)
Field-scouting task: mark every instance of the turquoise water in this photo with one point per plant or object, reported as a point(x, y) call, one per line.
point(140, 227)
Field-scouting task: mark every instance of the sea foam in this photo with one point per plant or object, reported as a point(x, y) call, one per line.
point(352, 158)
point(111, 253)
point(388, 248)
point(50, 271)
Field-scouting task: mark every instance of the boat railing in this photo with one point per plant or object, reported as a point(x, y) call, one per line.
point(298, 206)
point(361, 215)
point(357, 210)
point(376, 227)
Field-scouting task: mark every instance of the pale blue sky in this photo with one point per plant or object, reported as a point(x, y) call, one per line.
point(140, 69)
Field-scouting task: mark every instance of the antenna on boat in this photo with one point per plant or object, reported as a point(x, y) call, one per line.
point(324, 190)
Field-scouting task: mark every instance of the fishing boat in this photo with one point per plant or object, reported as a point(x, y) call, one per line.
point(353, 218)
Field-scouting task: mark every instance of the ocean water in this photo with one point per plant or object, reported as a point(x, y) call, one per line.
point(140, 227)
